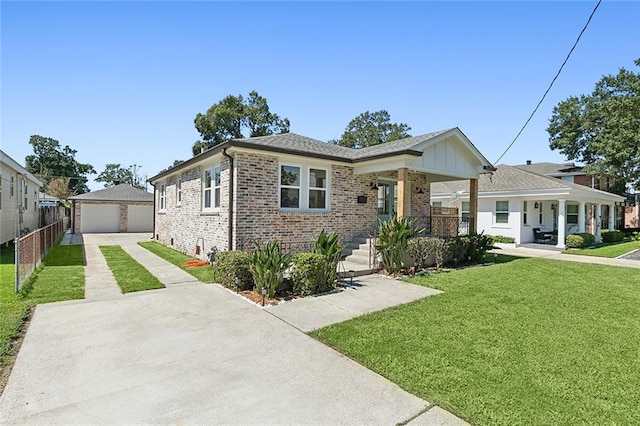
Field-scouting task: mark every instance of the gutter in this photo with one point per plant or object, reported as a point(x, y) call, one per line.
point(231, 182)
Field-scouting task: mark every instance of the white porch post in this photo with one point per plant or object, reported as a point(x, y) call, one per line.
point(598, 223)
point(562, 223)
point(612, 216)
point(581, 216)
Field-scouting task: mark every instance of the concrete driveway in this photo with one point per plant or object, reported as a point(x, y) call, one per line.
point(190, 354)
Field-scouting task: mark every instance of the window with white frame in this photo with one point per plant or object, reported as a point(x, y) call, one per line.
point(179, 191)
point(211, 188)
point(502, 211)
point(436, 204)
point(13, 183)
point(540, 215)
point(35, 200)
point(25, 188)
point(304, 188)
point(466, 208)
point(162, 197)
point(525, 207)
point(572, 213)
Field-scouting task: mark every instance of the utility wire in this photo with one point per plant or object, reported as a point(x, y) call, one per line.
point(552, 82)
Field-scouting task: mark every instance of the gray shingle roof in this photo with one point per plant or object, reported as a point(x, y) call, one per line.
point(407, 144)
point(509, 178)
point(294, 143)
point(116, 193)
point(550, 168)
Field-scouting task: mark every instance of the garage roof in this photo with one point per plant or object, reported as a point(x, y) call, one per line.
point(121, 192)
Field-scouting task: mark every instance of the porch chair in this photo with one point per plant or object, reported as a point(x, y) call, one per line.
point(541, 237)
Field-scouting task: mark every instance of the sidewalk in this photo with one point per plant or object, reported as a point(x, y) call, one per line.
point(548, 254)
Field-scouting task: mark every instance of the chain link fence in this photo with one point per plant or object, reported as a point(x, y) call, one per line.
point(31, 248)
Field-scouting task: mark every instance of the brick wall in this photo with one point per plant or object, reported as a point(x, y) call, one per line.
point(257, 215)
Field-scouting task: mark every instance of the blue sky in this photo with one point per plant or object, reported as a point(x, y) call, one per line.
point(121, 82)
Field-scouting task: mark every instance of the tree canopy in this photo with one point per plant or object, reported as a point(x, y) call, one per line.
point(237, 117)
point(602, 129)
point(51, 161)
point(115, 174)
point(372, 128)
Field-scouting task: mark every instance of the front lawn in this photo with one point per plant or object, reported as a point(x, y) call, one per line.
point(129, 274)
point(532, 341)
point(202, 273)
point(610, 250)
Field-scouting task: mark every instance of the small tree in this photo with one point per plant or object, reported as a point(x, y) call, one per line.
point(372, 128)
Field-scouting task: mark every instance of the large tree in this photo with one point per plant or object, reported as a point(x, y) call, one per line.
point(115, 174)
point(52, 161)
point(602, 129)
point(236, 117)
point(372, 128)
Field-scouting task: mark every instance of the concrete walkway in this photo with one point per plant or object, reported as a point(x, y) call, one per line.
point(198, 354)
point(548, 254)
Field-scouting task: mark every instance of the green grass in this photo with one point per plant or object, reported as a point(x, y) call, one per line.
point(60, 277)
point(202, 273)
point(610, 250)
point(129, 274)
point(531, 341)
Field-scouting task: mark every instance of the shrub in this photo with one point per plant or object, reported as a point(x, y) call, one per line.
point(267, 266)
point(579, 240)
point(612, 236)
point(426, 251)
point(635, 236)
point(329, 246)
point(502, 239)
point(478, 245)
point(232, 270)
point(309, 273)
point(393, 237)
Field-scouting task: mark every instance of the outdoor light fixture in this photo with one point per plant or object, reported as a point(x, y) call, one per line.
point(419, 191)
point(373, 186)
point(352, 274)
point(264, 292)
point(536, 205)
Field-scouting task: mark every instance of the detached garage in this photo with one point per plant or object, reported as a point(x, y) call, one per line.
point(122, 208)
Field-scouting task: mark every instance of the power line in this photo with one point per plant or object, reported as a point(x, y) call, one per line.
point(552, 82)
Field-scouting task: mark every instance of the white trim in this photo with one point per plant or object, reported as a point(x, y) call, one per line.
point(162, 197)
point(496, 212)
point(211, 189)
point(179, 191)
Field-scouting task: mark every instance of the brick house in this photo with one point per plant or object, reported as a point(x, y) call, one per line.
point(289, 187)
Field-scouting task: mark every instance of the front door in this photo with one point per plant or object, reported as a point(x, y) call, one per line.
point(387, 199)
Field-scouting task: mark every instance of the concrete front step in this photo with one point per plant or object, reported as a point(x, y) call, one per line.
point(358, 269)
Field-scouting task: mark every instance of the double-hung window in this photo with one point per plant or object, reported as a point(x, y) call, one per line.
point(211, 188)
point(525, 206)
point(35, 200)
point(303, 188)
point(13, 183)
point(466, 208)
point(25, 188)
point(179, 191)
point(572, 213)
point(162, 198)
point(502, 211)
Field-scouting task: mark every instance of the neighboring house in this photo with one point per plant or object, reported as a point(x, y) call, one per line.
point(289, 187)
point(121, 208)
point(19, 189)
point(570, 172)
point(513, 201)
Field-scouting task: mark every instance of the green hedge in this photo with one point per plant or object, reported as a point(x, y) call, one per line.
point(309, 273)
point(612, 236)
point(232, 270)
point(579, 240)
point(502, 239)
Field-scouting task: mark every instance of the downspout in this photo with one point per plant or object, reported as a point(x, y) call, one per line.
point(230, 158)
point(153, 237)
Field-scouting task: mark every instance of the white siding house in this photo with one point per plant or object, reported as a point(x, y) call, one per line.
point(19, 210)
point(513, 202)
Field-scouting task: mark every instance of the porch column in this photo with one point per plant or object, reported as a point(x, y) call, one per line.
point(581, 216)
point(404, 192)
point(598, 223)
point(562, 223)
point(612, 217)
point(473, 205)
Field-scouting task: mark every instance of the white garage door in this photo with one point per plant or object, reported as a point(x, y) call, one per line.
point(100, 218)
point(140, 219)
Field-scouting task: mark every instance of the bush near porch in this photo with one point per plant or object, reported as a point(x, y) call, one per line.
point(581, 240)
point(612, 236)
